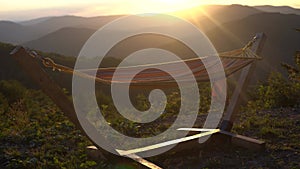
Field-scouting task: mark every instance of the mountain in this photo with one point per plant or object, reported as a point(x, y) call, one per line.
point(65, 41)
point(34, 21)
point(206, 18)
point(280, 9)
point(19, 33)
point(11, 32)
point(55, 23)
point(26, 31)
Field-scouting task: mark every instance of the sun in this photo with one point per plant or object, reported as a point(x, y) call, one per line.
point(170, 5)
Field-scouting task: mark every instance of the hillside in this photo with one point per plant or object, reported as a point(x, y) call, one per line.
point(36, 134)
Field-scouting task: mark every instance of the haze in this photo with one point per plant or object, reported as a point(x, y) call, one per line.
point(18, 10)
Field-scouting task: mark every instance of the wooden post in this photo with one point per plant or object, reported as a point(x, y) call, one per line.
point(50, 88)
point(243, 80)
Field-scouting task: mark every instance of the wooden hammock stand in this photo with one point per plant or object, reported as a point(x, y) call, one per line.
point(50, 88)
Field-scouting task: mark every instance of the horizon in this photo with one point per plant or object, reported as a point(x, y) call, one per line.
point(19, 11)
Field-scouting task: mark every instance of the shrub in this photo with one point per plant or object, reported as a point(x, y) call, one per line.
point(276, 92)
point(12, 90)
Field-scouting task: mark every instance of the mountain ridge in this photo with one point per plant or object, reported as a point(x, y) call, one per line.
point(280, 9)
point(62, 41)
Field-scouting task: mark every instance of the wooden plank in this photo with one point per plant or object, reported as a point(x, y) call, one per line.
point(195, 129)
point(48, 86)
point(245, 142)
point(237, 97)
point(95, 154)
point(239, 140)
point(165, 144)
point(143, 161)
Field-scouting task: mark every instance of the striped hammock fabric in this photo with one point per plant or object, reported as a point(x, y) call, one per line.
point(232, 61)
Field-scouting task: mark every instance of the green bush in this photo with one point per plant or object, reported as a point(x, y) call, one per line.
point(276, 92)
point(12, 90)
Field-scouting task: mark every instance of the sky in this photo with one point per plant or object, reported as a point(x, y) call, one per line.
point(18, 10)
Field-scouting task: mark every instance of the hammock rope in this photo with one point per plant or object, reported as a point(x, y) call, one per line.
point(232, 61)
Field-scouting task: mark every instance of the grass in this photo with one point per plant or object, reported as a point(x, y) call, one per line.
point(34, 133)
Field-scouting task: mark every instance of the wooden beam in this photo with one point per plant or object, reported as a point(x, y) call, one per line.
point(31, 66)
point(239, 140)
point(245, 142)
point(167, 143)
point(143, 161)
point(95, 154)
point(235, 100)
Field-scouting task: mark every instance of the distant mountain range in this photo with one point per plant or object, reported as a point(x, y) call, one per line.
point(67, 31)
point(66, 41)
point(228, 27)
point(19, 33)
point(279, 9)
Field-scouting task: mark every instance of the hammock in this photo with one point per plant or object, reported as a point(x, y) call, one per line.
point(232, 61)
